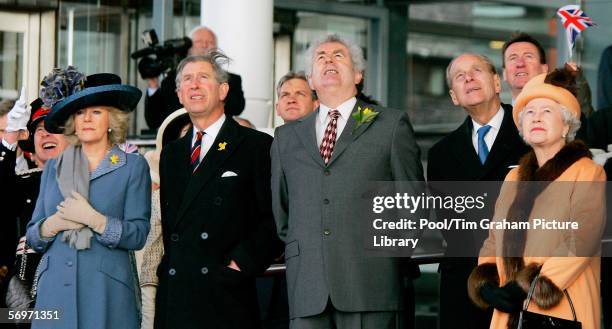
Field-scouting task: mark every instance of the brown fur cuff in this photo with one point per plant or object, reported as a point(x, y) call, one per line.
point(483, 273)
point(546, 294)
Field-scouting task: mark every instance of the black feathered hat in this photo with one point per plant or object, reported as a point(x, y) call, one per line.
point(68, 92)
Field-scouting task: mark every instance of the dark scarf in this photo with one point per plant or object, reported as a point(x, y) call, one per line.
point(532, 181)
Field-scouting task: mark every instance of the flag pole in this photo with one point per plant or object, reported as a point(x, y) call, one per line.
point(579, 42)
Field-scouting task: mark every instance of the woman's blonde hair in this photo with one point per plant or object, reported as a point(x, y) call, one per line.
point(117, 122)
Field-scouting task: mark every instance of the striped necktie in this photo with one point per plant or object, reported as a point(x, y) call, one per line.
point(195, 151)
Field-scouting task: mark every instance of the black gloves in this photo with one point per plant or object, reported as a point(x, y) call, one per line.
point(508, 298)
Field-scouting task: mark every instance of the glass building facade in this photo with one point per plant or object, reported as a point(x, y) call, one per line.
point(421, 38)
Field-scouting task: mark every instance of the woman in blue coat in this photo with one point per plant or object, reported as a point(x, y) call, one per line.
point(93, 207)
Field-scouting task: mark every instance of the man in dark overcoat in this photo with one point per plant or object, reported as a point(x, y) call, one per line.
point(483, 148)
point(217, 224)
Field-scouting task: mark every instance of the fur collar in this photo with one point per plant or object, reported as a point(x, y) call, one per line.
point(553, 168)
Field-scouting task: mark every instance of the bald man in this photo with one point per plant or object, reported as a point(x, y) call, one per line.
point(161, 100)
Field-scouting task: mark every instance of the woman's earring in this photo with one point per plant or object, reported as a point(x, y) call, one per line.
point(109, 130)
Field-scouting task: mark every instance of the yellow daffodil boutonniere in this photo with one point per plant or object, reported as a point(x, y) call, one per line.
point(222, 146)
point(363, 116)
point(114, 159)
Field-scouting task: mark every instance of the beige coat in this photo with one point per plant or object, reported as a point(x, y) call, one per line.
point(579, 200)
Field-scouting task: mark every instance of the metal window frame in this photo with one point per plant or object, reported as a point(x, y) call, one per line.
point(378, 37)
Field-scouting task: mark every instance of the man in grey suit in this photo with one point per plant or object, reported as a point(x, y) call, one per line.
point(321, 166)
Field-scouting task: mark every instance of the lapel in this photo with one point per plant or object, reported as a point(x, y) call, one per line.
point(503, 144)
point(463, 150)
point(349, 134)
point(212, 161)
point(503, 147)
point(181, 163)
point(114, 159)
point(305, 129)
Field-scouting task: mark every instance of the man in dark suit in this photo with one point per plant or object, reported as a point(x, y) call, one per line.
point(160, 101)
point(217, 223)
point(322, 165)
point(482, 149)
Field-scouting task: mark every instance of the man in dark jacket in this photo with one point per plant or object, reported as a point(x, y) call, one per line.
point(160, 101)
point(216, 210)
point(482, 149)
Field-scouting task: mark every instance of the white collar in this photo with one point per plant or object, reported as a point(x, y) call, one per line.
point(345, 109)
point(213, 130)
point(495, 122)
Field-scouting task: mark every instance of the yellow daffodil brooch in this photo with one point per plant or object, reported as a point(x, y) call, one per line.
point(114, 159)
point(363, 116)
point(222, 146)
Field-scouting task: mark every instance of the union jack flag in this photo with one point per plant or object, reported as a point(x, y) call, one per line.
point(574, 21)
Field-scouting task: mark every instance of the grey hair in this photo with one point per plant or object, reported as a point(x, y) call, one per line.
point(569, 119)
point(118, 122)
point(294, 75)
point(354, 49)
point(487, 60)
point(202, 27)
point(214, 57)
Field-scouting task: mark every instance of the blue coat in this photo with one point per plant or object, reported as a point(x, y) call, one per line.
point(94, 288)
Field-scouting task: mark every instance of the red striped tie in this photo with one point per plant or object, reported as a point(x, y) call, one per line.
point(195, 151)
point(329, 139)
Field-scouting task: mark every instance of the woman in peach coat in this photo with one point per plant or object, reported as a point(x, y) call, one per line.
point(547, 116)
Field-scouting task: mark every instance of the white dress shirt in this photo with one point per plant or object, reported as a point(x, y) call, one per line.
point(495, 123)
point(323, 119)
point(210, 134)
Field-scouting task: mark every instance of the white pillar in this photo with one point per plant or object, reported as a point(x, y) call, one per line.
point(70, 47)
point(244, 33)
